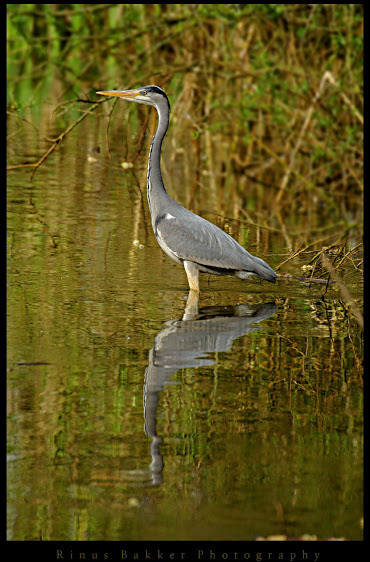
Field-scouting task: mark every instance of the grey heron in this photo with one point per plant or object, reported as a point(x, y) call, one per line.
point(190, 240)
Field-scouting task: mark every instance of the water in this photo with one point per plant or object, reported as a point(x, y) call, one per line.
point(127, 421)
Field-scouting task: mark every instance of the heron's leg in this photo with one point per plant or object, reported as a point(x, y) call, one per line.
point(191, 309)
point(193, 275)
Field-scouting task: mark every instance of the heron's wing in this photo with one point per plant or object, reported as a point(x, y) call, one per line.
point(195, 239)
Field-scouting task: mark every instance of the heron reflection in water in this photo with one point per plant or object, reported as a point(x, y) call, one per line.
point(190, 342)
point(190, 240)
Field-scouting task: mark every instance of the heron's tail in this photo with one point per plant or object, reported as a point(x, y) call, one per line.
point(262, 269)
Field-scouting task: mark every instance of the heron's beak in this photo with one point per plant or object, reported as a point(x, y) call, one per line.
point(127, 94)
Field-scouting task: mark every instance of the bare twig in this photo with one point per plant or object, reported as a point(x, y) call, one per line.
point(305, 249)
point(288, 277)
point(55, 141)
point(327, 77)
point(343, 289)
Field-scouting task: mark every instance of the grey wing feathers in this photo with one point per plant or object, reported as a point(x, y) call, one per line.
point(195, 239)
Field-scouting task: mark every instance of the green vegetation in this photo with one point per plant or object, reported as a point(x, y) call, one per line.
point(281, 82)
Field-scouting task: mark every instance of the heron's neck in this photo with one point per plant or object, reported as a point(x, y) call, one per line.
point(155, 187)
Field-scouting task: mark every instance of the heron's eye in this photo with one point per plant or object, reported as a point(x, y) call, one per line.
point(143, 92)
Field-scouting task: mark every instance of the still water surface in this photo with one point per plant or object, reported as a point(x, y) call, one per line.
point(137, 413)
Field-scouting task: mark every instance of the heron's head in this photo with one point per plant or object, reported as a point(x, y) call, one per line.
point(149, 95)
